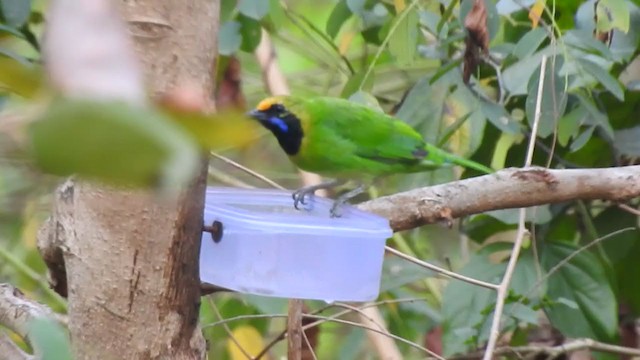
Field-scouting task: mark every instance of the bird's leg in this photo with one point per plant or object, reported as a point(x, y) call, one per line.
point(301, 195)
point(335, 209)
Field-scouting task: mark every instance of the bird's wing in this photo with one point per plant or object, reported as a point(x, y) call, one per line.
point(375, 136)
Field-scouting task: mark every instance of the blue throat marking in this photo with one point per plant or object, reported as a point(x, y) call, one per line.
point(279, 123)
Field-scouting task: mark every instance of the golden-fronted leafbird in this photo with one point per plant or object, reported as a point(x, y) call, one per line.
point(343, 140)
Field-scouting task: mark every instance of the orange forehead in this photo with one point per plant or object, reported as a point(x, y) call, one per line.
point(266, 104)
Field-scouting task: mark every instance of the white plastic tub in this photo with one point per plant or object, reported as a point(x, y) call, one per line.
point(269, 248)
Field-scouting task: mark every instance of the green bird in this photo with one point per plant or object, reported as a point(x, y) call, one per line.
point(343, 140)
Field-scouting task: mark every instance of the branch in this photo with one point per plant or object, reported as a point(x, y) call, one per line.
point(508, 188)
point(16, 313)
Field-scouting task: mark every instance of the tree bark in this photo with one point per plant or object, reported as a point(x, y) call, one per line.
point(131, 259)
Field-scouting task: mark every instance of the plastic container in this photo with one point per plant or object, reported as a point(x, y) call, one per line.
point(269, 248)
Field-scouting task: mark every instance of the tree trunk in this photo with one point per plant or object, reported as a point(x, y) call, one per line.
point(131, 259)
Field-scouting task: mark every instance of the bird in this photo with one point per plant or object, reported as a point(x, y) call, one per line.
point(343, 140)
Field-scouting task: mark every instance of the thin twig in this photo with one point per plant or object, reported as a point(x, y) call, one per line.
point(441, 270)
point(248, 171)
point(554, 351)
point(503, 289)
point(347, 322)
point(228, 330)
point(629, 209)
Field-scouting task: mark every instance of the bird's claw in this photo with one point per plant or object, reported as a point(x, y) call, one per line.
point(335, 211)
point(302, 197)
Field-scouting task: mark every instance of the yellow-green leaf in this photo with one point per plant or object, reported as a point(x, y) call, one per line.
point(247, 338)
point(113, 142)
point(404, 39)
point(612, 14)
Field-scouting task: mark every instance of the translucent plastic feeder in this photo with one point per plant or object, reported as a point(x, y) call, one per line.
point(264, 246)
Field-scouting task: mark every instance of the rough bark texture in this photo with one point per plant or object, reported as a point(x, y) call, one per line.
point(131, 259)
point(506, 189)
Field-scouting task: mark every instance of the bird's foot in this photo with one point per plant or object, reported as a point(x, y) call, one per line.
point(335, 211)
point(303, 197)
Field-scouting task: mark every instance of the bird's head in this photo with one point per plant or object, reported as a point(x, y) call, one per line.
point(274, 113)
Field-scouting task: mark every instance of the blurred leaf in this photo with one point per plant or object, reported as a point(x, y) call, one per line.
point(626, 141)
point(581, 281)
point(498, 116)
point(339, 15)
point(397, 272)
point(536, 215)
point(517, 76)
point(11, 30)
point(623, 250)
point(596, 117)
point(22, 79)
point(113, 142)
point(554, 98)
point(49, 339)
point(15, 12)
point(364, 98)
point(581, 140)
point(356, 6)
point(255, 9)
point(353, 84)
point(529, 43)
point(584, 41)
point(251, 32)
point(228, 129)
point(229, 38)
point(609, 82)
point(536, 12)
point(569, 125)
point(612, 14)
point(403, 41)
point(248, 339)
point(466, 303)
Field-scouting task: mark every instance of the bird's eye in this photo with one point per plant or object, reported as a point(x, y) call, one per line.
point(277, 108)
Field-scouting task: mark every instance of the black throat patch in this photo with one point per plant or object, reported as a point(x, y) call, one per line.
point(287, 129)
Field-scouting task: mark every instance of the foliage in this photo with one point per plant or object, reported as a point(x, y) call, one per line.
point(406, 57)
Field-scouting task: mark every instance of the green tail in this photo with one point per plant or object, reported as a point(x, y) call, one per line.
point(438, 157)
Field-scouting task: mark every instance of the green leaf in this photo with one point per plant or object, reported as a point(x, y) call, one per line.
point(569, 125)
point(113, 142)
point(229, 38)
point(602, 75)
point(498, 116)
point(251, 33)
point(517, 76)
point(537, 215)
point(624, 251)
point(554, 98)
point(464, 304)
point(596, 117)
point(339, 15)
point(365, 98)
point(49, 339)
point(255, 9)
point(15, 12)
point(19, 78)
point(581, 281)
point(529, 43)
point(612, 14)
point(403, 42)
point(582, 139)
point(397, 272)
point(353, 84)
point(356, 6)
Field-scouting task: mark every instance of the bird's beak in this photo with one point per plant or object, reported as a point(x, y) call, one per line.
point(257, 114)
